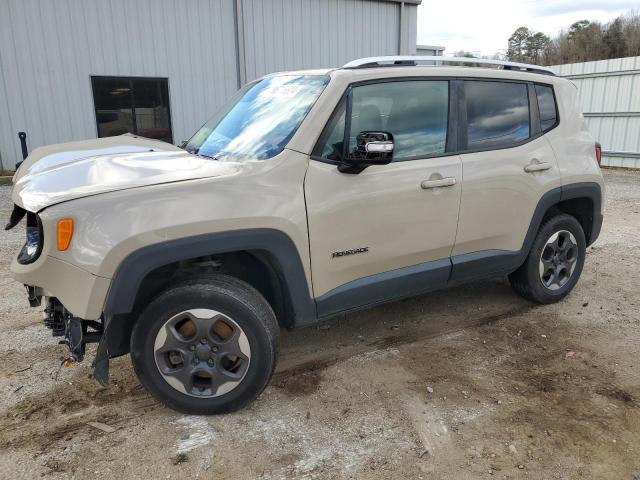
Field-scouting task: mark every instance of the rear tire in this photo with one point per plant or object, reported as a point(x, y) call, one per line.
point(554, 263)
point(206, 346)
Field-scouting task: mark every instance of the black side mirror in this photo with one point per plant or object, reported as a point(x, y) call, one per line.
point(372, 148)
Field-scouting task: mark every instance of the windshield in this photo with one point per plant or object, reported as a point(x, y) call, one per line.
point(260, 119)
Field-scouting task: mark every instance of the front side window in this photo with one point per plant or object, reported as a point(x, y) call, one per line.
point(414, 112)
point(546, 107)
point(497, 114)
point(258, 122)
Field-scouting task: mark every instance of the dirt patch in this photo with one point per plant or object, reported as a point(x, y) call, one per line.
point(616, 393)
point(471, 382)
point(303, 379)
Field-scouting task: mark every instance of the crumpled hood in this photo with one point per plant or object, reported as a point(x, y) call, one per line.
point(73, 170)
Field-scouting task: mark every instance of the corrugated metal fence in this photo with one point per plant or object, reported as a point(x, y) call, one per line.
point(609, 92)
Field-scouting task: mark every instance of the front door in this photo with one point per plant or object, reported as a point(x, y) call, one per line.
point(388, 231)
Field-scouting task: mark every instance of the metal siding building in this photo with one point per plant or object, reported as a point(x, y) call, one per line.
point(429, 50)
point(204, 50)
point(609, 92)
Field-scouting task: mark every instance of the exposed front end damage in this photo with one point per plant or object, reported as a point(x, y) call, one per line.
point(65, 290)
point(77, 332)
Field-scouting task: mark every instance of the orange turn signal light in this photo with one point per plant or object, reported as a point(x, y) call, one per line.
point(65, 232)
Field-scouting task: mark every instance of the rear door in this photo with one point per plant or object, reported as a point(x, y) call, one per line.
point(508, 165)
point(387, 231)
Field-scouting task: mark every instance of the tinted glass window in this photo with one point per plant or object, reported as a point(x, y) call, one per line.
point(546, 106)
point(497, 113)
point(132, 105)
point(414, 112)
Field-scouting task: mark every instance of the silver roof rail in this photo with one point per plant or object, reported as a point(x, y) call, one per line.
point(413, 60)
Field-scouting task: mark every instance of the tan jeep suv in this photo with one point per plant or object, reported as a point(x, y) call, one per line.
point(309, 194)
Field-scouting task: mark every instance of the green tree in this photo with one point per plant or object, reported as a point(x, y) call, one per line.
point(464, 53)
point(615, 40)
point(535, 45)
point(584, 41)
point(578, 29)
point(518, 44)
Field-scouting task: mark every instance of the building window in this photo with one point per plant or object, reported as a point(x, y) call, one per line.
point(497, 114)
point(132, 105)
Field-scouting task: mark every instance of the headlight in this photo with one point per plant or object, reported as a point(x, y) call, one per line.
point(33, 246)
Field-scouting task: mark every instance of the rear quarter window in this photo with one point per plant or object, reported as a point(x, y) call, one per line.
point(547, 107)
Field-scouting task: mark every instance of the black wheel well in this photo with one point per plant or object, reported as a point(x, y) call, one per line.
point(258, 268)
point(581, 208)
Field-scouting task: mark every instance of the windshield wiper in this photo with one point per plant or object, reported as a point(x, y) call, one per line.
point(203, 155)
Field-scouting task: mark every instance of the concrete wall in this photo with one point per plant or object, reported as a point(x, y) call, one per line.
point(609, 92)
point(206, 48)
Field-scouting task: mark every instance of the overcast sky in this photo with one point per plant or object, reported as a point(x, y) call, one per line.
point(484, 26)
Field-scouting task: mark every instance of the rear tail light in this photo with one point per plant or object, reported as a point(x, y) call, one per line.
point(598, 153)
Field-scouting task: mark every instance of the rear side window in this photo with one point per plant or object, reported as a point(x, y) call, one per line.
point(546, 107)
point(415, 112)
point(497, 114)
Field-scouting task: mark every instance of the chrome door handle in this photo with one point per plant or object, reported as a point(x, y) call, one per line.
point(441, 182)
point(537, 167)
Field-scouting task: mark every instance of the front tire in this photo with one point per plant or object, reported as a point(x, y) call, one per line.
point(206, 346)
point(554, 263)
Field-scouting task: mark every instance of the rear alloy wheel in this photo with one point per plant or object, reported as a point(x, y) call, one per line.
point(554, 263)
point(206, 346)
point(558, 260)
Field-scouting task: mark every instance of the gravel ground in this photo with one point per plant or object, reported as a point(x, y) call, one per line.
point(471, 382)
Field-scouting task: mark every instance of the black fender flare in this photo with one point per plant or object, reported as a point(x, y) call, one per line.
point(593, 192)
point(275, 244)
point(278, 245)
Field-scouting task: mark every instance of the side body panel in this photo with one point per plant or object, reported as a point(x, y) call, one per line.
point(383, 209)
point(111, 226)
point(572, 143)
point(499, 197)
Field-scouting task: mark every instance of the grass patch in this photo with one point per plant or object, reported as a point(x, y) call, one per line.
point(5, 180)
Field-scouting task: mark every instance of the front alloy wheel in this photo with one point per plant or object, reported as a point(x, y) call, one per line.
point(206, 346)
point(202, 352)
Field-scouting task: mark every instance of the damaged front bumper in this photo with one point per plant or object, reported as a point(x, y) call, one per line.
point(77, 332)
point(74, 297)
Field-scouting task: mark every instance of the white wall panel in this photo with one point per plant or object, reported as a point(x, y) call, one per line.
point(49, 49)
point(609, 93)
point(301, 34)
